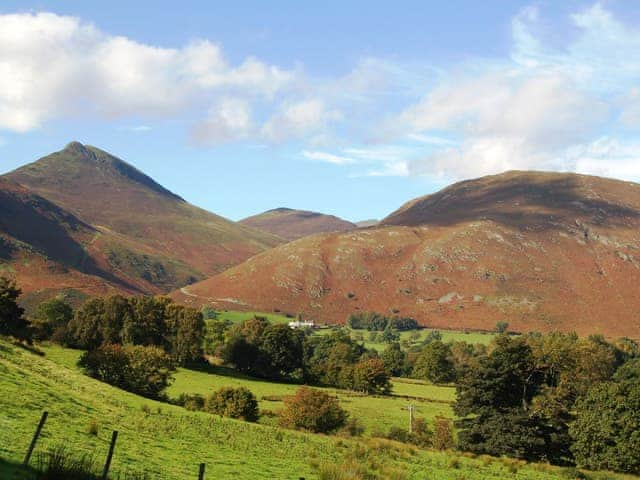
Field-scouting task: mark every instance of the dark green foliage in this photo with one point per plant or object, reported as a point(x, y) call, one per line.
point(51, 319)
point(395, 360)
point(144, 370)
point(432, 336)
point(312, 410)
point(629, 371)
point(283, 349)
point(402, 324)
point(214, 336)
point(234, 403)
point(12, 321)
point(389, 335)
point(501, 327)
point(375, 322)
point(606, 432)
point(435, 363)
point(494, 402)
point(146, 321)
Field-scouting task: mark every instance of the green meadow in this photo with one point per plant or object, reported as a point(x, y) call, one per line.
point(168, 442)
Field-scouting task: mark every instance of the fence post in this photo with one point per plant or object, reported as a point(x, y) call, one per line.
point(201, 474)
point(32, 445)
point(112, 447)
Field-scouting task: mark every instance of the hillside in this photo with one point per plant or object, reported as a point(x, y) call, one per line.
point(293, 224)
point(169, 442)
point(140, 234)
point(542, 251)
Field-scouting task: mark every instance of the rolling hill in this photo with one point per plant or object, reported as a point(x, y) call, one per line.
point(82, 211)
point(542, 251)
point(293, 224)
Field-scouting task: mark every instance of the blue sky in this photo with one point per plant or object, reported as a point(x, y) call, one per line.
point(349, 108)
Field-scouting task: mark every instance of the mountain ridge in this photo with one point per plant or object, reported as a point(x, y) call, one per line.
point(543, 251)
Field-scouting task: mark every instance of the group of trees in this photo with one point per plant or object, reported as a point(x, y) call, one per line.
point(145, 321)
point(556, 398)
point(375, 322)
point(275, 351)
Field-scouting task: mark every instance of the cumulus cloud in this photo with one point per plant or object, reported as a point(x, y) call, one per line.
point(539, 109)
point(228, 120)
point(56, 66)
point(298, 119)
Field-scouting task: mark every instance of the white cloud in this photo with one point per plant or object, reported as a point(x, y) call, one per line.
point(298, 119)
point(328, 157)
point(55, 66)
point(228, 120)
point(540, 108)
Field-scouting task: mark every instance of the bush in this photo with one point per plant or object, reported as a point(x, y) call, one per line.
point(93, 427)
point(191, 402)
point(12, 321)
point(443, 434)
point(234, 403)
point(142, 370)
point(312, 410)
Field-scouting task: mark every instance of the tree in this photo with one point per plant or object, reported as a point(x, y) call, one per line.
point(312, 410)
point(51, 319)
point(84, 328)
point(394, 359)
point(370, 376)
point(234, 403)
point(283, 349)
point(214, 336)
point(501, 327)
point(12, 321)
point(494, 402)
point(389, 335)
point(606, 432)
point(184, 330)
point(435, 363)
point(145, 370)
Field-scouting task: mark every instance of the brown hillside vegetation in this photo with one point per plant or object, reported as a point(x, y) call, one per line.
point(293, 224)
point(542, 251)
point(94, 214)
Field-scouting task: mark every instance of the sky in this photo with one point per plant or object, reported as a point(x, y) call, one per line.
point(348, 108)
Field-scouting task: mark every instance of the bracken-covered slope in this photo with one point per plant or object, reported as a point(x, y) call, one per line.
point(48, 249)
point(142, 231)
point(293, 224)
point(542, 251)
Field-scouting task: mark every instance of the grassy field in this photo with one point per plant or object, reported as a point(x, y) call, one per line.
point(377, 414)
point(364, 335)
point(169, 442)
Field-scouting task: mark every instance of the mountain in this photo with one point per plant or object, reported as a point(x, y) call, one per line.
point(83, 203)
point(542, 251)
point(293, 224)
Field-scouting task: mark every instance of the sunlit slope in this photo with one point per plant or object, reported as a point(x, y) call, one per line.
point(541, 251)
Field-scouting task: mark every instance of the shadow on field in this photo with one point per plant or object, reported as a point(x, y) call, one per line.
point(12, 471)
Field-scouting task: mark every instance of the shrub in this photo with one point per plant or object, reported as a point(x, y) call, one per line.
point(142, 370)
point(93, 427)
point(191, 402)
point(234, 403)
point(353, 428)
point(442, 434)
point(312, 410)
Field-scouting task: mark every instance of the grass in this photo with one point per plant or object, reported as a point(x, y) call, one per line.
point(377, 414)
point(169, 442)
point(237, 316)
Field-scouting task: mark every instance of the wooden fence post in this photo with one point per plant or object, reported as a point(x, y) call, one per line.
point(201, 474)
point(112, 447)
point(32, 445)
